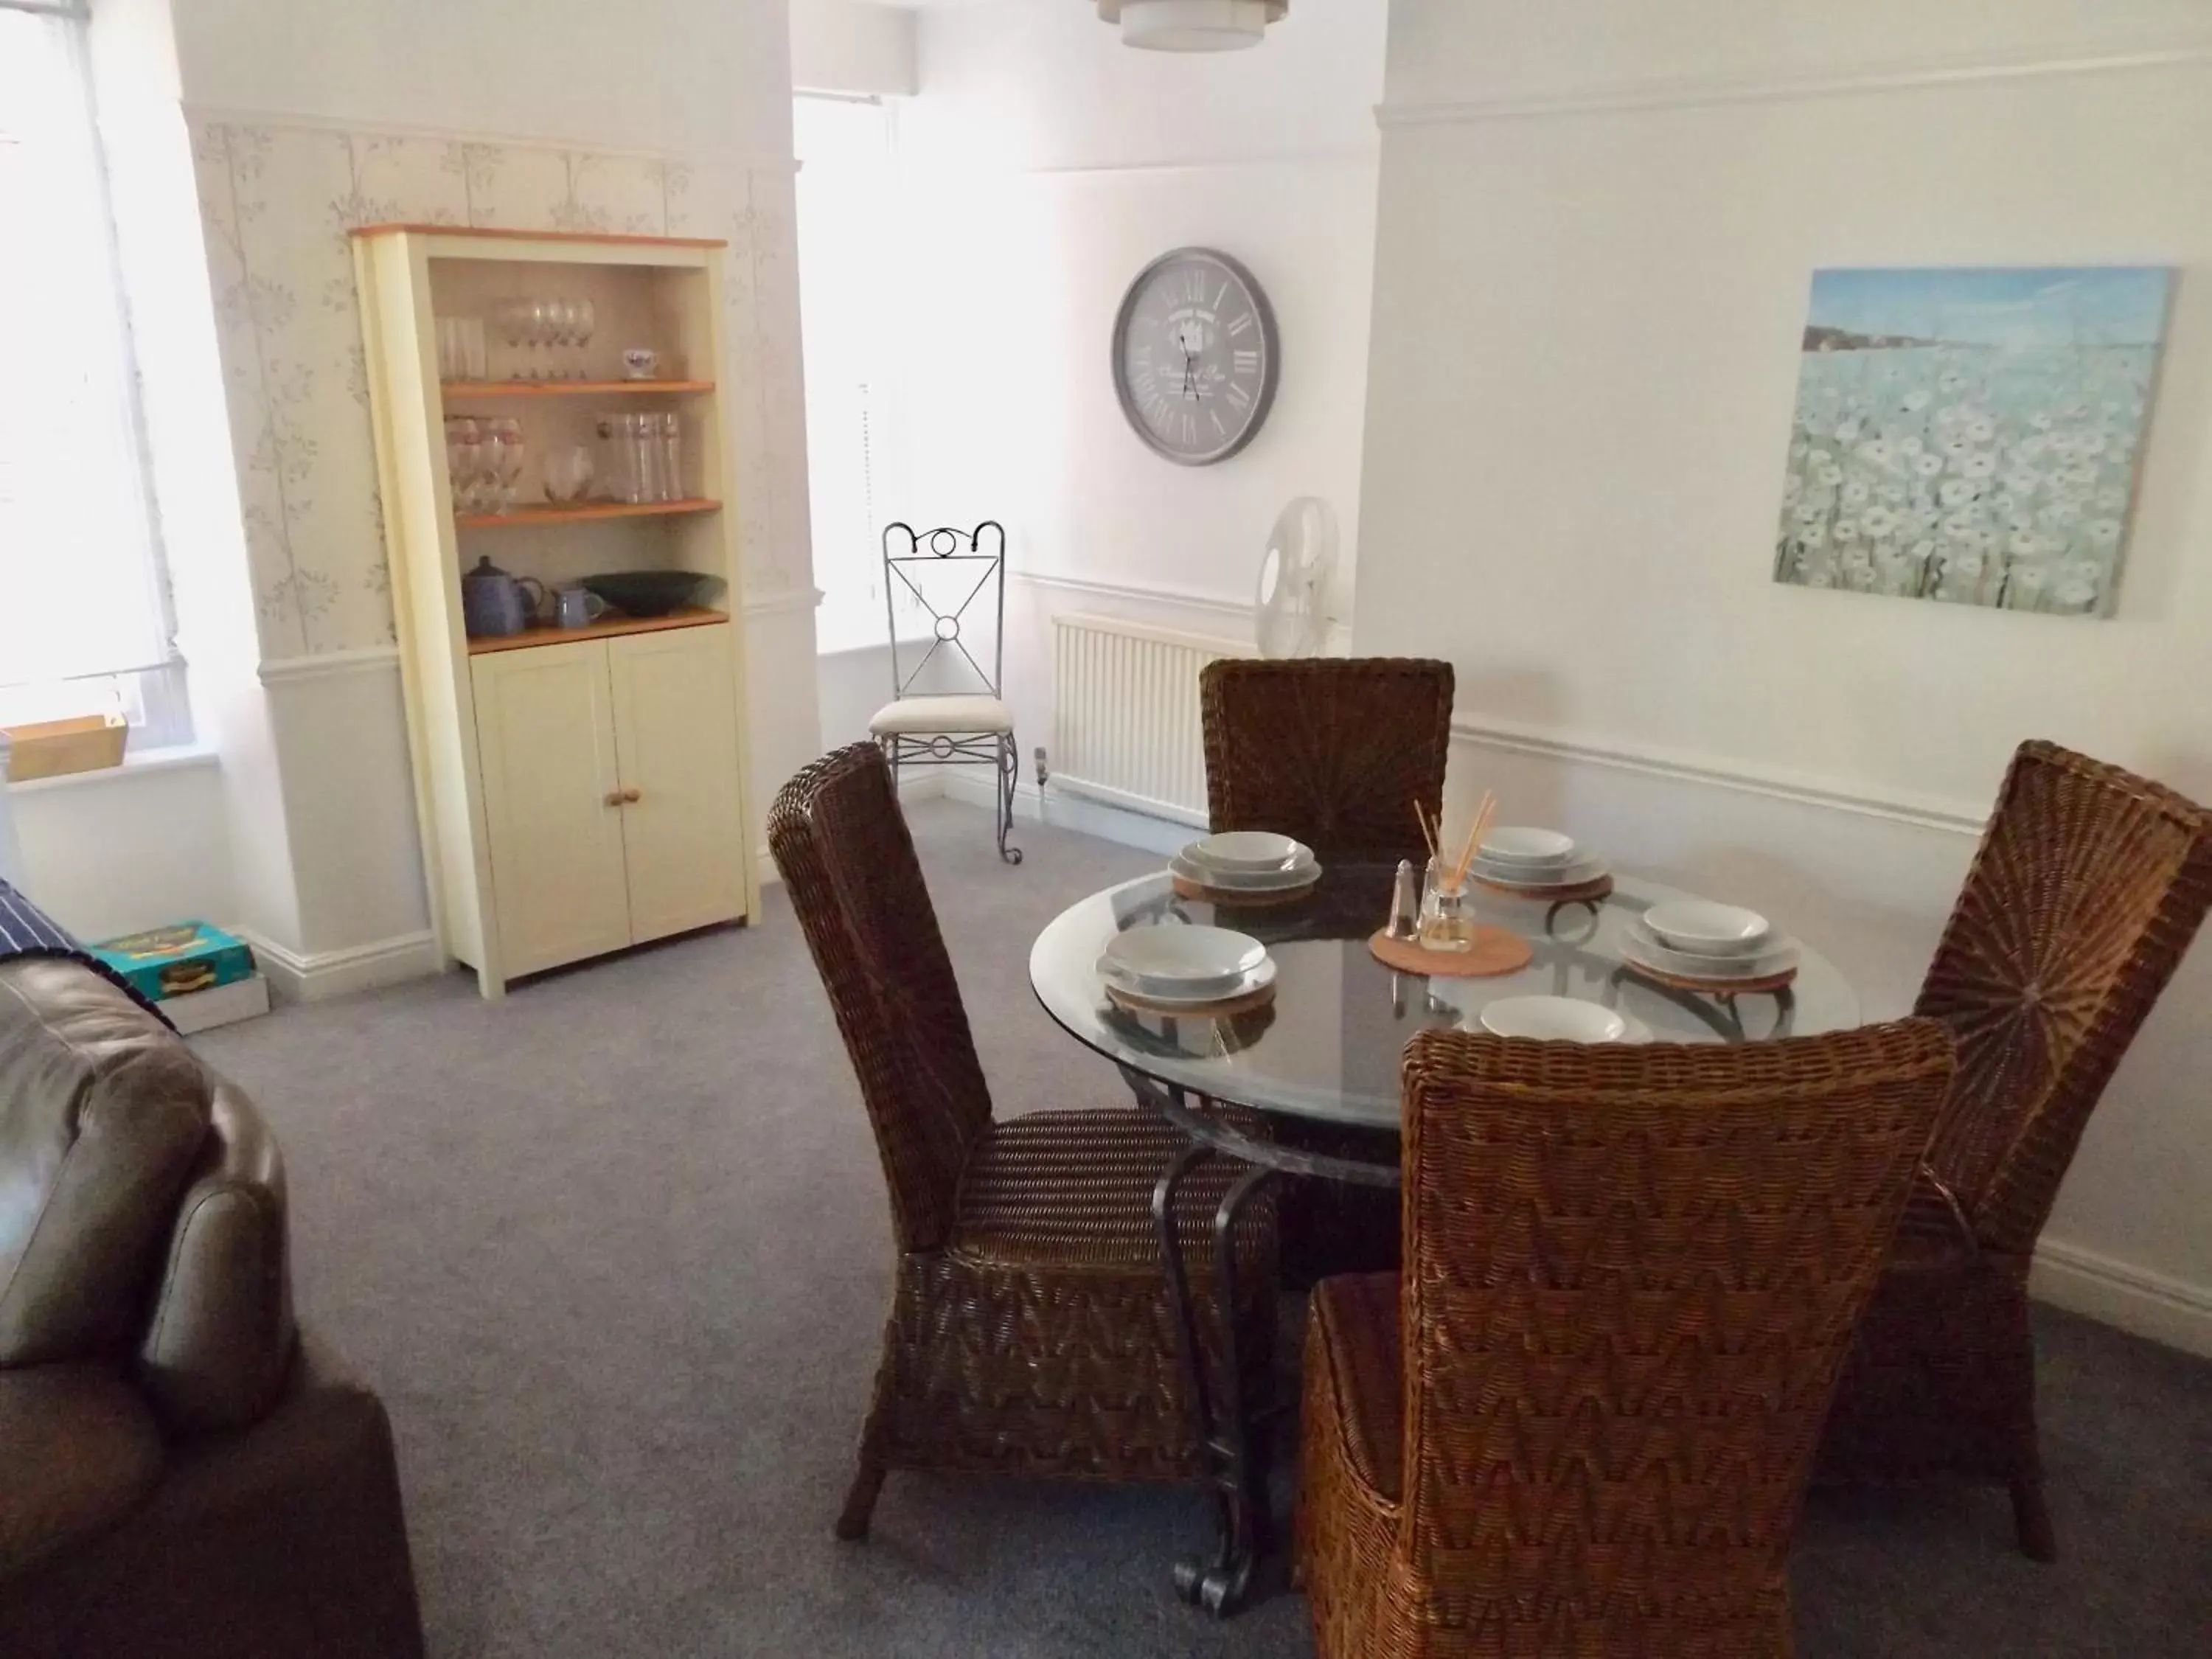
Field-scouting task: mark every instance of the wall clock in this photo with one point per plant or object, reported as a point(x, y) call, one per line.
point(1195, 356)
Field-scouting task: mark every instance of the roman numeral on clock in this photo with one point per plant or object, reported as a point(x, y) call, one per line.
point(1245, 360)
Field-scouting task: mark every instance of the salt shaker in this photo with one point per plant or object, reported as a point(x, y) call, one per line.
point(1405, 902)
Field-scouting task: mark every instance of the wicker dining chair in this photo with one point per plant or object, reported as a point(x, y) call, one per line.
point(1333, 750)
point(2087, 887)
point(1583, 1420)
point(1029, 1331)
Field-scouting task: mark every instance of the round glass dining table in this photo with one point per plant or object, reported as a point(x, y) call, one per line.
point(1326, 1047)
point(1325, 1051)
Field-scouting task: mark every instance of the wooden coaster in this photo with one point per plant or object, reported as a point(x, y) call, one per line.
point(1190, 890)
point(1590, 892)
point(1229, 1008)
point(1714, 988)
point(1494, 951)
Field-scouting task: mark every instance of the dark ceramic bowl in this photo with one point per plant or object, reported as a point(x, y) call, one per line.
point(649, 592)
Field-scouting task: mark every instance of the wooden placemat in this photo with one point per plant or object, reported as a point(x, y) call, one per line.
point(1718, 987)
point(1494, 951)
point(1228, 1008)
point(1187, 888)
point(1590, 892)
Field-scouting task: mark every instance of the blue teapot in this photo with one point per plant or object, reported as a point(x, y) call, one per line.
point(494, 603)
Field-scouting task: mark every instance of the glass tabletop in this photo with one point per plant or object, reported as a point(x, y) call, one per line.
point(1326, 1047)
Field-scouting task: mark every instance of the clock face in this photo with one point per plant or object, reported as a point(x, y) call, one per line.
point(1195, 357)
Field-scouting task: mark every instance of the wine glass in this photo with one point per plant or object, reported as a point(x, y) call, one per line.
point(464, 463)
point(559, 331)
point(506, 456)
point(538, 329)
point(586, 319)
point(513, 317)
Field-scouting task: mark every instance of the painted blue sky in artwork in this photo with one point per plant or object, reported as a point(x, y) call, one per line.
point(2018, 310)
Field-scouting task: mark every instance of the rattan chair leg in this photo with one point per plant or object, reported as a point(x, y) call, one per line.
point(2031, 1517)
point(860, 1499)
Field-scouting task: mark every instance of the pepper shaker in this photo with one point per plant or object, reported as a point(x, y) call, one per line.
point(1405, 902)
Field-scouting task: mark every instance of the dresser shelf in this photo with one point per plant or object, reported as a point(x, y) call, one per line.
point(692, 615)
point(588, 511)
point(460, 391)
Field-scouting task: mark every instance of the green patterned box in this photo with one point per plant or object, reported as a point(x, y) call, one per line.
point(176, 961)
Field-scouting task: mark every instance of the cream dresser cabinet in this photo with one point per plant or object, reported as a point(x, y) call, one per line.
point(579, 790)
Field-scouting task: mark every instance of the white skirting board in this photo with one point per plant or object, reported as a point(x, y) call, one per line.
point(311, 977)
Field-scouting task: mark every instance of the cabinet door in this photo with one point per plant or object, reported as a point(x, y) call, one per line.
point(676, 735)
point(546, 742)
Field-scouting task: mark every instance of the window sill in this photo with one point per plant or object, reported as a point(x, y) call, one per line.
point(138, 763)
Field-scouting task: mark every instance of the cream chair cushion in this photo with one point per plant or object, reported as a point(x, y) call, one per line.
point(923, 714)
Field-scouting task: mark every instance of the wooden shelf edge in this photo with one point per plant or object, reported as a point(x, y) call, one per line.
point(692, 615)
point(498, 233)
point(473, 389)
point(596, 510)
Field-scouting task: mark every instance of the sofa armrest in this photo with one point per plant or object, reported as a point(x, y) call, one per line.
point(218, 1342)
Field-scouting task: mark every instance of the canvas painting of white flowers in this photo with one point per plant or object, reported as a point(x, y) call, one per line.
point(1971, 436)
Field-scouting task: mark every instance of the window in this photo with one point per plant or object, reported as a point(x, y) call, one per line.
point(84, 619)
point(850, 249)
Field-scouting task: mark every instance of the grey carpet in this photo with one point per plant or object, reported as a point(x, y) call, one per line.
point(615, 1252)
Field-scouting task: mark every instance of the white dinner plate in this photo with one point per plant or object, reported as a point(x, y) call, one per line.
point(1247, 849)
point(1573, 874)
point(1554, 1019)
point(1518, 846)
point(1172, 960)
point(1304, 873)
point(1244, 985)
point(1704, 928)
point(1639, 943)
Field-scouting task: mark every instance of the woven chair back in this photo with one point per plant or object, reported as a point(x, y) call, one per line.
point(837, 834)
point(1632, 1274)
point(1333, 750)
point(2087, 887)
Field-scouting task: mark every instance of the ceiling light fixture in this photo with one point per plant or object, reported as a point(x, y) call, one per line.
point(1192, 25)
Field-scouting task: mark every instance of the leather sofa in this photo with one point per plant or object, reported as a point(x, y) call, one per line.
point(179, 1474)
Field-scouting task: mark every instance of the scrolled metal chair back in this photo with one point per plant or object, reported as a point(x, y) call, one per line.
point(1334, 750)
point(848, 859)
point(946, 572)
point(1630, 1278)
point(2086, 890)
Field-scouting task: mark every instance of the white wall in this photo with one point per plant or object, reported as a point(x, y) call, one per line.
point(852, 46)
point(1596, 226)
point(109, 852)
point(1050, 163)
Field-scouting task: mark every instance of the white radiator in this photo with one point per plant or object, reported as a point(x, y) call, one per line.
point(1126, 722)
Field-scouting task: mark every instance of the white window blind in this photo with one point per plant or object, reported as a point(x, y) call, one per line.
point(79, 578)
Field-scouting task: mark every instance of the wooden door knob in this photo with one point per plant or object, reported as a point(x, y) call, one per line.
point(631, 796)
point(614, 798)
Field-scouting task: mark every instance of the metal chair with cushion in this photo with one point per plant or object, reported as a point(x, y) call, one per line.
point(2087, 888)
point(1031, 1330)
point(945, 571)
point(1583, 1419)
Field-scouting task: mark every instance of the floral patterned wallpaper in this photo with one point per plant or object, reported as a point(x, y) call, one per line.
point(276, 202)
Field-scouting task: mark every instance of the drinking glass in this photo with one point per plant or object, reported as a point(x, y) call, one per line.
point(669, 436)
point(614, 457)
point(644, 451)
point(475, 361)
point(560, 332)
point(538, 315)
point(568, 475)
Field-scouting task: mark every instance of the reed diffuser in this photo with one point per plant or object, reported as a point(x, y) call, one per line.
point(1448, 921)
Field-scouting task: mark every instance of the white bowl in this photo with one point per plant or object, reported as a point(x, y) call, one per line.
point(1245, 849)
point(1526, 846)
point(1706, 929)
point(1177, 960)
point(1554, 1019)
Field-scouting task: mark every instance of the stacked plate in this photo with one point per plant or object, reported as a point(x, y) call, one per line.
point(1247, 861)
point(1697, 939)
point(1173, 965)
point(1534, 861)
